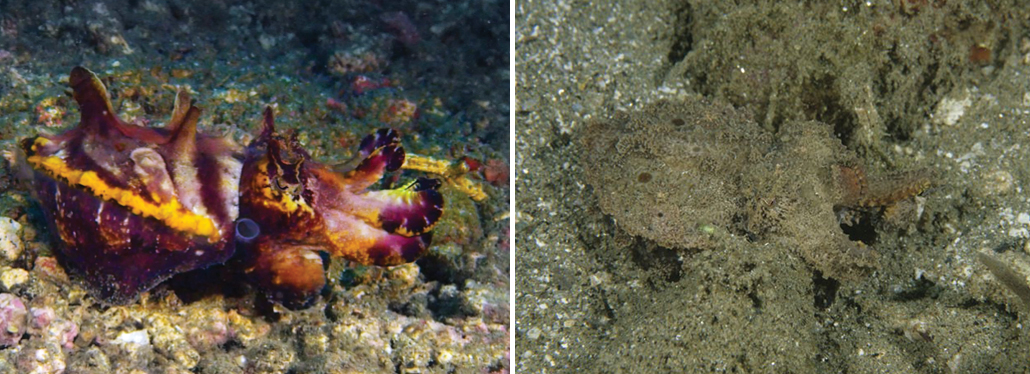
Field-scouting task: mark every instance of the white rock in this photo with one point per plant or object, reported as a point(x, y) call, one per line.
point(13, 277)
point(10, 242)
point(133, 343)
point(949, 110)
point(1019, 232)
point(138, 337)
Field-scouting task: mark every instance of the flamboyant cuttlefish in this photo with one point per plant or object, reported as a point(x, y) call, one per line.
point(133, 205)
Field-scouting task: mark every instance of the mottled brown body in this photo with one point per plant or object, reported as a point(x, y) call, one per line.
point(694, 174)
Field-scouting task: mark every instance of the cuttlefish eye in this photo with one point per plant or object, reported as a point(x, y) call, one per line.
point(247, 230)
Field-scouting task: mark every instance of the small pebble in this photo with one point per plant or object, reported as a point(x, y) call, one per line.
point(533, 333)
point(10, 244)
point(12, 319)
point(41, 317)
point(13, 277)
point(138, 337)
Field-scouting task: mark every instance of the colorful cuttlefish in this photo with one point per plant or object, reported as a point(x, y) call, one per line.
point(133, 205)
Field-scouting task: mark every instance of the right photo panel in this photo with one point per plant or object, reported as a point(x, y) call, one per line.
point(771, 187)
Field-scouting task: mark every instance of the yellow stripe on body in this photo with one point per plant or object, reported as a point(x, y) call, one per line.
point(171, 213)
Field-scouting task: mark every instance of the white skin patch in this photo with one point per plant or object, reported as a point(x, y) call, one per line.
point(184, 174)
point(150, 167)
point(231, 169)
point(103, 155)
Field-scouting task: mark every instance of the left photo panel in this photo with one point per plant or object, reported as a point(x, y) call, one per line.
point(254, 187)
